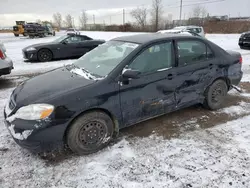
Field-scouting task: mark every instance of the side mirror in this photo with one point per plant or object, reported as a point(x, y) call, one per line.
point(133, 74)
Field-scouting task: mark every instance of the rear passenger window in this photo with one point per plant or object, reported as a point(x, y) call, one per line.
point(191, 52)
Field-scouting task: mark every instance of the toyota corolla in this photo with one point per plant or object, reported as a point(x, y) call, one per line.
point(120, 83)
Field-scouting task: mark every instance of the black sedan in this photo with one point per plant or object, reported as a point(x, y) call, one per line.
point(67, 46)
point(244, 40)
point(120, 83)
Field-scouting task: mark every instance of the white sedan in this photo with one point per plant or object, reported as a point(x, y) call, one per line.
point(175, 31)
point(73, 31)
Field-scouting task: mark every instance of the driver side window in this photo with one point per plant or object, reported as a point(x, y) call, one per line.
point(155, 58)
point(73, 39)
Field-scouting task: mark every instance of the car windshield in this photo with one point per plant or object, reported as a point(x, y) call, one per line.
point(103, 59)
point(61, 38)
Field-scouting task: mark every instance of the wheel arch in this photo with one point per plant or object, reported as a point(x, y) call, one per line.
point(224, 78)
point(113, 118)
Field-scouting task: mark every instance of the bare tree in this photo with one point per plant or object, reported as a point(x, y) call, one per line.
point(140, 15)
point(57, 17)
point(38, 21)
point(204, 12)
point(68, 21)
point(199, 12)
point(157, 11)
point(83, 19)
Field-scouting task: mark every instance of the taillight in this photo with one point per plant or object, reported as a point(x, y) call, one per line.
point(240, 60)
point(2, 56)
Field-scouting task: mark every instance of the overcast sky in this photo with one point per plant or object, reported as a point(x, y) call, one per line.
point(108, 10)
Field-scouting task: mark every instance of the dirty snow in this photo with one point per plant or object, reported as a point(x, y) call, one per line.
point(214, 157)
point(241, 109)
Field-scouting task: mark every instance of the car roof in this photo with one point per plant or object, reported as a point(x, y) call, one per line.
point(188, 26)
point(146, 38)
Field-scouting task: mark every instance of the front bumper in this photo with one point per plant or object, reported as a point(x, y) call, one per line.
point(37, 136)
point(30, 55)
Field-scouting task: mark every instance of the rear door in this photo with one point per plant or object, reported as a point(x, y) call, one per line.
point(197, 68)
point(153, 93)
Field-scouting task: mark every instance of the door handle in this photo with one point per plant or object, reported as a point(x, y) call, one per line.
point(210, 66)
point(170, 76)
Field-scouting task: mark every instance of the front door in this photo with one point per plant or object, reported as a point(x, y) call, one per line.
point(153, 93)
point(72, 46)
point(197, 67)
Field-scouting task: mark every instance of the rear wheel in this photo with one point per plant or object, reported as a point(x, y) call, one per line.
point(16, 35)
point(215, 95)
point(90, 133)
point(44, 55)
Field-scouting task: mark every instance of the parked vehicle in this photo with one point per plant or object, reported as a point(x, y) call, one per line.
point(178, 32)
point(48, 28)
point(35, 30)
point(186, 29)
point(244, 40)
point(6, 64)
point(19, 28)
point(120, 83)
point(73, 31)
point(66, 46)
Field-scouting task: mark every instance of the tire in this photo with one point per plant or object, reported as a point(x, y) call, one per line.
point(24, 34)
point(54, 33)
point(90, 133)
point(16, 35)
point(44, 55)
point(215, 95)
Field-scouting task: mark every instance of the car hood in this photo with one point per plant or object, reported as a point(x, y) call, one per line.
point(47, 86)
point(40, 45)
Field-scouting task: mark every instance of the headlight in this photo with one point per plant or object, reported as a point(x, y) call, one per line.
point(30, 49)
point(34, 112)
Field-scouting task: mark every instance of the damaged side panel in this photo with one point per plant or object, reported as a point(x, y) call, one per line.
point(192, 80)
point(146, 97)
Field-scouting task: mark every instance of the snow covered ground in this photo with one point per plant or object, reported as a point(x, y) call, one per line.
point(218, 156)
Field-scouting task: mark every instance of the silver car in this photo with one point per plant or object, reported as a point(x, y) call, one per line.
point(190, 30)
point(6, 64)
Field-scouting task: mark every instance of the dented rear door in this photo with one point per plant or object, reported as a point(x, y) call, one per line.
point(197, 68)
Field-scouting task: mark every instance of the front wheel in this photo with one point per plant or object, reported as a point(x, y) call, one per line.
point(44, 55)
point(215, 95)
point(90, 133)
